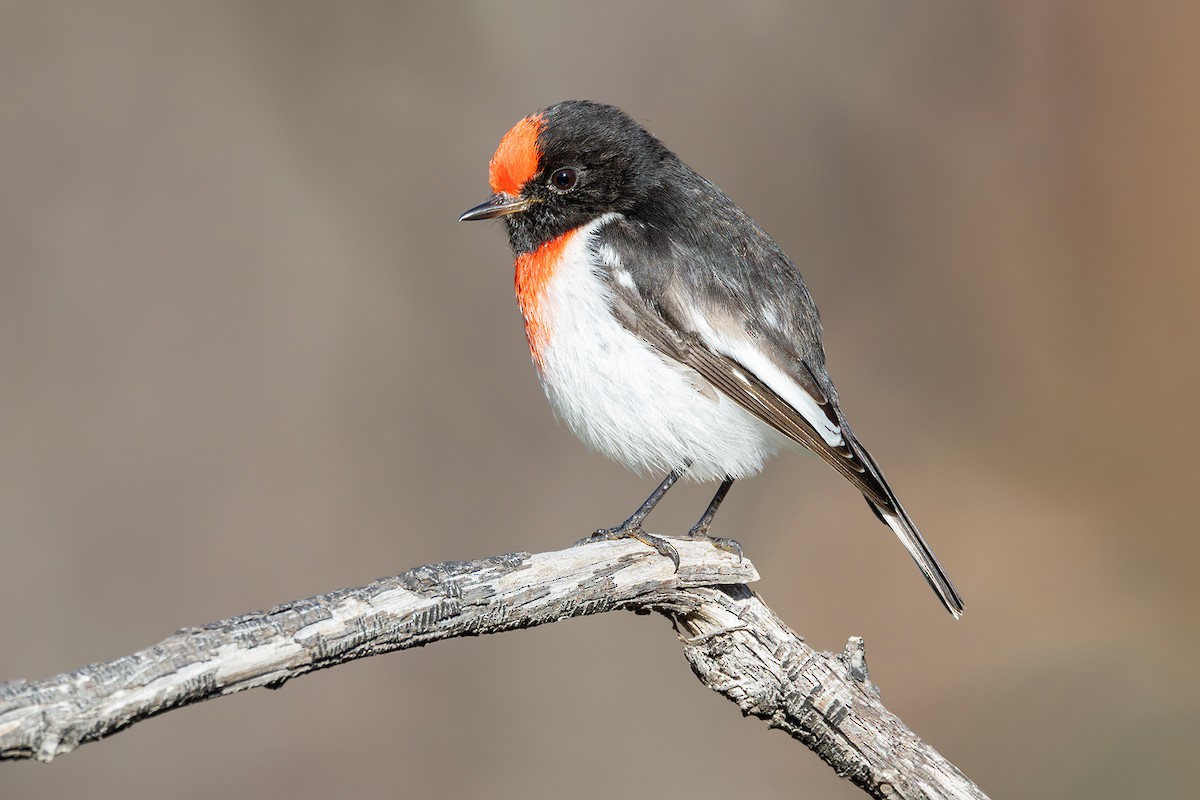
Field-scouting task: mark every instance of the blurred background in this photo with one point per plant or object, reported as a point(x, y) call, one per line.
point(248, 355)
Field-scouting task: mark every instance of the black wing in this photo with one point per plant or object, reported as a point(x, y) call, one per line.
point(724, 299)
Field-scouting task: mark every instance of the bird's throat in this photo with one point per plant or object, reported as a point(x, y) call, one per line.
point(534, 272)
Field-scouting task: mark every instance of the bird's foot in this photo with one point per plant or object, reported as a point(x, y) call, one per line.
point(700, 531)
point(633, 530)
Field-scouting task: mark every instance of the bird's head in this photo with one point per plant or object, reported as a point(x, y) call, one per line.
point(564, 166)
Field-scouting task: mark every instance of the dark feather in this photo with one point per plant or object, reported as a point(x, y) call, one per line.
point(669, 279)
point(661, 322)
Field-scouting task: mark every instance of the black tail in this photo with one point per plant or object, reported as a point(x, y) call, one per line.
point(895, 517)
point(915, 544)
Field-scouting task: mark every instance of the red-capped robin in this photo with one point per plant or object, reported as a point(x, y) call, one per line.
point(669, 331)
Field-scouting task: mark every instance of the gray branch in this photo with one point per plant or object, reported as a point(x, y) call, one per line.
point(735, 644)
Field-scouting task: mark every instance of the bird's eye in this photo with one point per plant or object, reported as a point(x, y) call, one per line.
point(563, 180)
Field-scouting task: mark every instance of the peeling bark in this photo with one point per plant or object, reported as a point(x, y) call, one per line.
point(735, 644)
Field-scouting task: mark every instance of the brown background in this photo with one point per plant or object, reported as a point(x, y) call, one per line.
point(247, 355)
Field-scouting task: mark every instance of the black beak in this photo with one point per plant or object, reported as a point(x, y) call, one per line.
point(498, 205)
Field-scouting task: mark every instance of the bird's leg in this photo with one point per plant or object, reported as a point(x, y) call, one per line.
point(632, 527)
point(700, 529)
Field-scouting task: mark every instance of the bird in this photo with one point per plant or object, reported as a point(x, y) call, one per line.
point(670, 332)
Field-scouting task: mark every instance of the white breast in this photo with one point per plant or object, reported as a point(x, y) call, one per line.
point(621, 396)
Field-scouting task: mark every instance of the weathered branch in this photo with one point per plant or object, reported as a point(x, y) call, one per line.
point(735, 644)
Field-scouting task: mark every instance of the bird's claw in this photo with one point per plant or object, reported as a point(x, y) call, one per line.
point(660, 544)
point(719, 542)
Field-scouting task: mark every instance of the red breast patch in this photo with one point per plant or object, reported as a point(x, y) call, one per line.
point(516, 159)
point(533, 275)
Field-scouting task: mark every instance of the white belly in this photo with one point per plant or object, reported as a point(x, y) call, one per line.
point(624, 399)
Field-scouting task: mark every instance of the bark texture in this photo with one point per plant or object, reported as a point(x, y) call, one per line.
point(734, 642)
